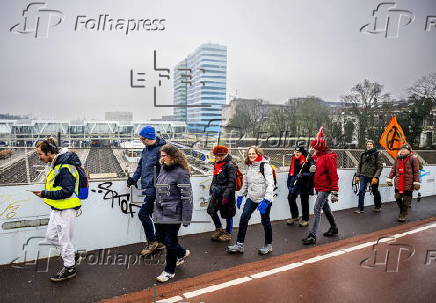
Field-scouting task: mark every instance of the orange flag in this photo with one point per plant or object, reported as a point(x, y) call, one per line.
point(393, 137)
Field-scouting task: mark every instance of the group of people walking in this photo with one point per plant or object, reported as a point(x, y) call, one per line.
point(165, 181)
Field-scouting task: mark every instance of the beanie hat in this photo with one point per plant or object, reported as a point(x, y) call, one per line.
point(220, 150)
point(406, 146)
point(301, 149)
point(319, 143)
point(148, 132)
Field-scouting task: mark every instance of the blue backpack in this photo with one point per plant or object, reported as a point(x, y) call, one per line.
point(83, 190)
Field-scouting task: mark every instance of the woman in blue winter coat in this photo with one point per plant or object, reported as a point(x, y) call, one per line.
point(258, 188)
point(173, 207)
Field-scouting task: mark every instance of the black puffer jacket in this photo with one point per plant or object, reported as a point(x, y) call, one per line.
point(304, 183)
point(223, 187)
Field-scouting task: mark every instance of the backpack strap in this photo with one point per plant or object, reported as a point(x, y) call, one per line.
point(262, 168)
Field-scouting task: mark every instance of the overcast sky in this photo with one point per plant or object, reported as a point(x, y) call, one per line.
point(276, 50)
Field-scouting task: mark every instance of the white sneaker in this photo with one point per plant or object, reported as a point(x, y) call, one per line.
point(165, 276)
point(181, 260)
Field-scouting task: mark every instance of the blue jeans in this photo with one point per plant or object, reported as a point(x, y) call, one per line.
point(362, 189)
point(217, 222)
point(249, 208)
point(144, 215)
point(168, 235)
point(322, 203)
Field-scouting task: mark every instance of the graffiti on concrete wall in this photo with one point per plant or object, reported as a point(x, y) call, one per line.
point(122, 200)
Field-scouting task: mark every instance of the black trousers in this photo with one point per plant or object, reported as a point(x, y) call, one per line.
point(292, 199)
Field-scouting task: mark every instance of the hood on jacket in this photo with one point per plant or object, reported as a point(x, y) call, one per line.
point(67, 157)
point(159, 142)
point(327, 153)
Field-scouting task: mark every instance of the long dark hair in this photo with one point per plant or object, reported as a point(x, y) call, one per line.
point(48, 146)
point(177, 157)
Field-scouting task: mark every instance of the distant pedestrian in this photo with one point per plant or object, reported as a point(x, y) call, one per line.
point(60, 193)
point(148, 169)
point(300, 183)
point(368, 171)
point(222, 193)
point(326, 184)
point(258, 188)
point(173, 207)
point(405, 172)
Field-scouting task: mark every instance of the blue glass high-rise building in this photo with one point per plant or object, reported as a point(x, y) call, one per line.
point(208, 77)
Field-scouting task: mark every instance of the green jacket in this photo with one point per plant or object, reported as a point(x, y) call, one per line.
point(370, 164)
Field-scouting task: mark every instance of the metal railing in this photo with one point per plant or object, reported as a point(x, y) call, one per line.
point(22, 165)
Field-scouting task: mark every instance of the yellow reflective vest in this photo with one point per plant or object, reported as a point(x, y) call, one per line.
point(67, 203)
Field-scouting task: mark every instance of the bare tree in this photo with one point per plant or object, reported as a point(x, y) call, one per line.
point(365, 98)
point(424, 87)
point(248, 118)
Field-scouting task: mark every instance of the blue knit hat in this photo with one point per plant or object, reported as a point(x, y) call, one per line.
point(148, 132)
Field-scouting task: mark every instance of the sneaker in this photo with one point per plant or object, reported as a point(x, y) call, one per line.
point(181, 260)
point(236, 248)
point(358, 211)
point(304, 223)
point(165, 276)
point(310, 239)
point(149, 248)
point(225, 237)
point(265, 250)
point(377, 209)
point(402, 218)
point(332, 232)
point(217, 233)
point(64, 274)
point(291, 221)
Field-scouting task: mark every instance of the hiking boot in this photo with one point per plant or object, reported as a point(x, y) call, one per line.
point(332, 232)
point(217, 233)
point(64, 274)
point(225, 237)
point(165, 276)
point(310, 239)
point(265, 250)
point(181, 260)
point(377, 209)
point(303, 223)
point(402, 218)
point(358, 211)
point(291, 221)
point(160, 246)
point(149, 248)
point(236, 248)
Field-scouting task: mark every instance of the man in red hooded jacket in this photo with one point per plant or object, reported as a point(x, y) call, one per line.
point(326, 183)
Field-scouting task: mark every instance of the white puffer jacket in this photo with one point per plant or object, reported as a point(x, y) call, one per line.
point(257, 187)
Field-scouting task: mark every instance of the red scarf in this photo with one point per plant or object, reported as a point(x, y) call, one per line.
point(218, 167)
point(401, 170)
point(300, 160)
point(258, 159)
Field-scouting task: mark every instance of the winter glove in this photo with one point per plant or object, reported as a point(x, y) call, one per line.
point(334, 196)
point(130, 182)
point(389, 181)
point(416, 186)
point(263, 205)
point(374, 181)
point(312, 169)
point(357, 179)
point(239, 201)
